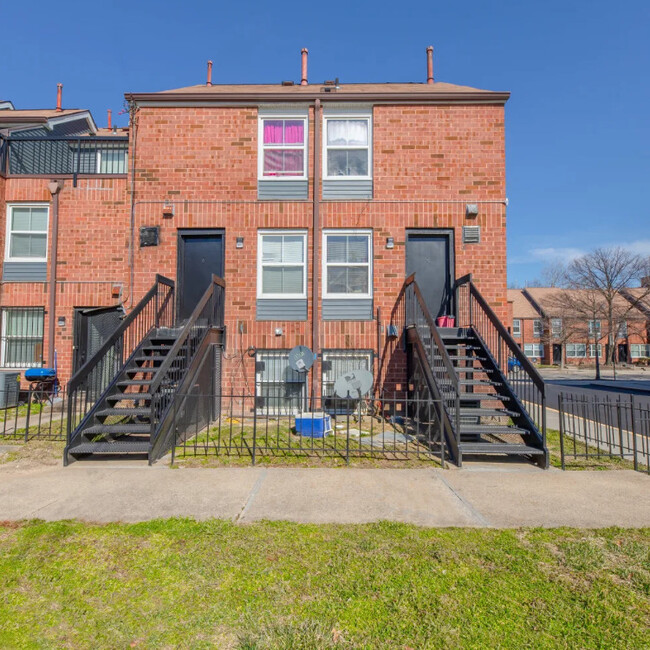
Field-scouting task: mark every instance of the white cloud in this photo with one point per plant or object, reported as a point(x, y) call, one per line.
point(552, 254)
point(640, 247)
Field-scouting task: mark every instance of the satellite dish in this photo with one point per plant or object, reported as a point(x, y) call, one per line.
point(353, 384)
point(301, 358)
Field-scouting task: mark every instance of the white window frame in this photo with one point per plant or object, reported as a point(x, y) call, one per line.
point(591, 351)
point(9, 232)
point(534, 347)
point(621, 332)
point(642, 350)
point(300, 115)
point(516, 327)
point(325, 264)
point(112, 173)
point(571, 350)
point(260, 265)
point(259, 381)
point(347, 115)
point(538, 328)
point(594, 327)
point(5, 339)
point(556, 332)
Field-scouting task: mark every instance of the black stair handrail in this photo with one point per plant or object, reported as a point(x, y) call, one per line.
point(208, 314)
point(516, 369)
point(443, 371)
point(99, 374)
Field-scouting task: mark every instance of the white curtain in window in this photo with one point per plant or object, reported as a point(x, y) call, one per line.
point(347, 132)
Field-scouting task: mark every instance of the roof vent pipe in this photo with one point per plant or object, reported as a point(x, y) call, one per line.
point(430, 64)
point(109, 118)
point(209, 80)
point(59, 97)
point(303, 76)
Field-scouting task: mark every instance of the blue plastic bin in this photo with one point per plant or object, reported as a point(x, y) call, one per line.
point(40, 374)
point(313, 425)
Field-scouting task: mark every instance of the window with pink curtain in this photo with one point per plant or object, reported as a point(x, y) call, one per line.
point(283, 147)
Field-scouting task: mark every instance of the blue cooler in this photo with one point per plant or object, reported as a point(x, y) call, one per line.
point(313, 425)
point(40, 374)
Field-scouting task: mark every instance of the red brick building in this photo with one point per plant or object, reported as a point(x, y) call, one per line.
point(313, 201)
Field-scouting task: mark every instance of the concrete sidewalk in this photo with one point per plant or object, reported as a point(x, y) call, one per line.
point(489, 494)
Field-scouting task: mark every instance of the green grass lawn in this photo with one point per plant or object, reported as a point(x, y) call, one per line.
point(180, 583)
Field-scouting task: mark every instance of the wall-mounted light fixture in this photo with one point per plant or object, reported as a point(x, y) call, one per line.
point(278, 331)
point(168, 210)
point(390, 242)
point(240, 242)
point(60, 321)
point(471, 210)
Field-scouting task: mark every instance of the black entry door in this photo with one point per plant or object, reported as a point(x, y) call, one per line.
point(429, 254)
point(93, 326)
point(557, 353)
point(200, 254)
point(622, 353)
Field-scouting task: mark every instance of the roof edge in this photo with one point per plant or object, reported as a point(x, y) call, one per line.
point(481, 97)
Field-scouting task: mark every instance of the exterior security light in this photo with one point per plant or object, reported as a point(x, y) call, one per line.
point(390, 242)
point(240, 242)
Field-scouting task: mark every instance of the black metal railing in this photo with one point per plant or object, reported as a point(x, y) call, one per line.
point(101, 371)
point(63, 156)
point(596, 428)
point(237, 426)
point(32, 414)
point(208, 314)
point(517, 372)
point(446, 389)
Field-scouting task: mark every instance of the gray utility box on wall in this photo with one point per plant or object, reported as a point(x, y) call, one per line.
point(9, 389)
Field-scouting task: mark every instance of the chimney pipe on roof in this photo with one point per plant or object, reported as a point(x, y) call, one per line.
point(209, 80)
point(110, 118)
point(59, 96)
point(430, 64)
point(303, 76)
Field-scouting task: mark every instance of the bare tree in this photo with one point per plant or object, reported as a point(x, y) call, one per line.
point(601, 278)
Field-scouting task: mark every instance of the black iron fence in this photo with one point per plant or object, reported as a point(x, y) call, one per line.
point(246, 426)
point(597, 428)
point(55, 156)
point(33, 415)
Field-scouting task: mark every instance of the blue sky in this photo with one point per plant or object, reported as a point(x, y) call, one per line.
point(578, 133)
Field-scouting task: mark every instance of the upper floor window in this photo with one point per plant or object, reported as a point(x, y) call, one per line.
point(27, 232)
point(594, 328)
point(111, 161)
point(622, 330)
point(347, 149)
point(282, 152)
point(282, 264)
point(556, 327)
point(516, 327)
point(347, 268)
point(537, 328)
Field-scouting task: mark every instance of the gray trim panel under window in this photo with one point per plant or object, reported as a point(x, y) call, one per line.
point(24, 272)
point(345, 188)
point(282, 309)
point(347, 309)
point(268, 189)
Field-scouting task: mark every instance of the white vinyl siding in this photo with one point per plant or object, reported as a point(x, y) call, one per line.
point(347, 264)
point(27, 232)
point(281, 264)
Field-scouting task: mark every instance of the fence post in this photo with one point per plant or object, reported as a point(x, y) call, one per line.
point(254, 424)
point(560, 408)
point(633, 419)
point(156, 319)
point(620, 426)
point(29, 412)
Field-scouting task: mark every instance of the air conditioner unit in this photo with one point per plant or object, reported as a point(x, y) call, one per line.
point(9, 389)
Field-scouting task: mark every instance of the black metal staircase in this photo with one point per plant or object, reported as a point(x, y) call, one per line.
point(119, 400)
point(488, 409)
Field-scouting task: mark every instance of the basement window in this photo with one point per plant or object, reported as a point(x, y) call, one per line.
point(278, 388)
point(21, 343)
point(335, 364)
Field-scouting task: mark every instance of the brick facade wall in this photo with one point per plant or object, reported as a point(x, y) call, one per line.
point(428, 162)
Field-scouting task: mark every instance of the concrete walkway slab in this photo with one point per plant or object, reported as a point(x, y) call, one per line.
point(481, 495)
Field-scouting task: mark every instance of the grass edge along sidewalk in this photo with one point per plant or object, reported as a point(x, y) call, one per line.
point(178, 582)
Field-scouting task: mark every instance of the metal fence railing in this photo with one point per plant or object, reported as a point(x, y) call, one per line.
point(597, 428)
point(33, 415)
point(225, 424)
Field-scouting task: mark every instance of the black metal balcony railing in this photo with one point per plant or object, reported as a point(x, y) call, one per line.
point(59, 156)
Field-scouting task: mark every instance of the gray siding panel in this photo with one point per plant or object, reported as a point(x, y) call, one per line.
point(337, 309)
point(282, 189)
point(347, 189)
point(24, 272)
point(282, 309)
